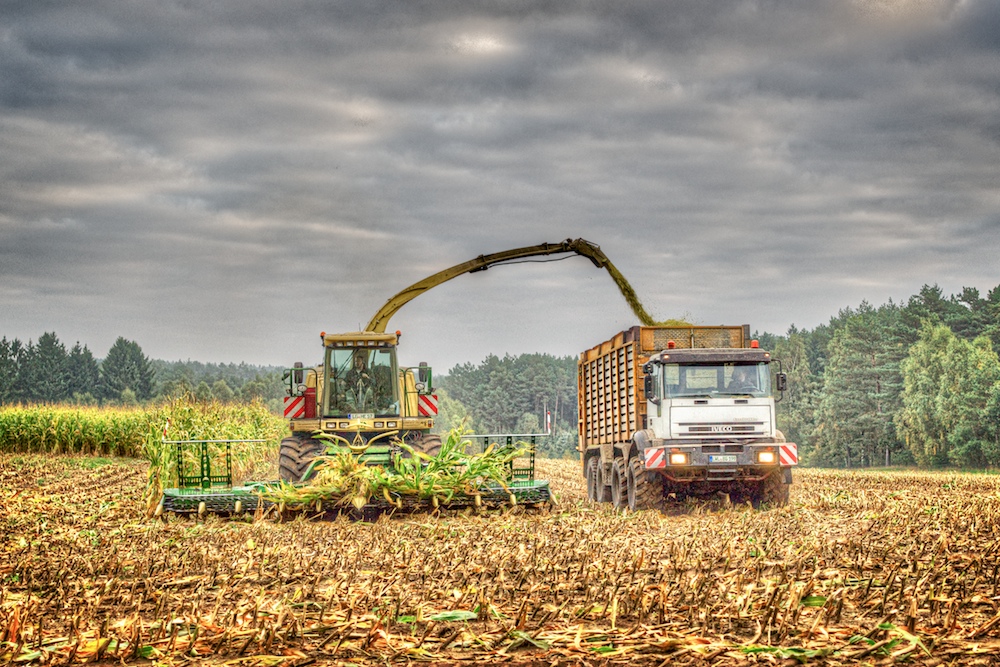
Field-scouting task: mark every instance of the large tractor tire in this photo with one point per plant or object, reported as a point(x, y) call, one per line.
point(597, 490)
point(295, 455)
point(643, 490)
point(429, 444)
point(619, 484)
point(772, 491)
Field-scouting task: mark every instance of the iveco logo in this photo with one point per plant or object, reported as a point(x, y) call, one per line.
point(722, 429)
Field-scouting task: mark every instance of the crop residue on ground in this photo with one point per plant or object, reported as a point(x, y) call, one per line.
point(877, 566)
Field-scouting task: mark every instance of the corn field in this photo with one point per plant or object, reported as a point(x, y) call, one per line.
point(860, 567)
point(140, 432)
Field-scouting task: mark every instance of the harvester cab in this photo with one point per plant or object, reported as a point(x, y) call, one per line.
point(359, 398)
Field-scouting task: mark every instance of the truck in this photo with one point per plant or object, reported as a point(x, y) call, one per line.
point(678, 411)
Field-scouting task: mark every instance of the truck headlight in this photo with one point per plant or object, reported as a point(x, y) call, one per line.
point(678, 458)
point(767, 457)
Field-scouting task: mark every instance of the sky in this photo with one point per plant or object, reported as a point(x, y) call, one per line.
point(223, 181)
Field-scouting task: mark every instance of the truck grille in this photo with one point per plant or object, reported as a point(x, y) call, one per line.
point(721, 429)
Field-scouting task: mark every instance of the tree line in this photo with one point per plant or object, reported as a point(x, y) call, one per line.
point(898, 384)
point(47, 372)
point(516, 395)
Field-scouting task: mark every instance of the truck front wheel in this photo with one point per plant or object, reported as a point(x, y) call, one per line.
point(295, 455)
point(644, 491)
point(772, 491)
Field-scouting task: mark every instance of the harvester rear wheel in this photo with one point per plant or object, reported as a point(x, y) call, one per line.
point(295, 456)
point(619, 484)
point(644, 490)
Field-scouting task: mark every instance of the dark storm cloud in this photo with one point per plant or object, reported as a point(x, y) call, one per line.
point(222, 182)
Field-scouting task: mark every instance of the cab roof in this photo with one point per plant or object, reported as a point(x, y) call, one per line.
point(359, 339)
point(711, 356)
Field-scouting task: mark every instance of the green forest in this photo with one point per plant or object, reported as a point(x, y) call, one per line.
point(910, 383)
point(898, 384)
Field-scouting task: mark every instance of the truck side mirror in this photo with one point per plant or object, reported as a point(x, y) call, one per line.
point(649, 389)
point(781, 381)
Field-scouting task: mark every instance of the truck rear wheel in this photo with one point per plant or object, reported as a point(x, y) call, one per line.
point(295, 455)
point(643, 490)
point(596, 490)
point(619, 484)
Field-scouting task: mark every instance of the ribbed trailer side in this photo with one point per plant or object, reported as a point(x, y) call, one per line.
point(609, 377)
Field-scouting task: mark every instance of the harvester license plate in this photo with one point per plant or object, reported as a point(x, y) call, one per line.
point(722, 458)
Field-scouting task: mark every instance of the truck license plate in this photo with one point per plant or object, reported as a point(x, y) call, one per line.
point(722, 458)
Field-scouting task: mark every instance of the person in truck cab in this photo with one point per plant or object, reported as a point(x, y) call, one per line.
point(741, 381)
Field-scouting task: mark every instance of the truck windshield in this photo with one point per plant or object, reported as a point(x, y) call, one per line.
point(716, 379)
point(361, 382)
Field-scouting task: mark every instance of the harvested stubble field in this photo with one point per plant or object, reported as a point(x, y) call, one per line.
point(861, 567)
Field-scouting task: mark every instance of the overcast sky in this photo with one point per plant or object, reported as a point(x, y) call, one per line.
point(222, 181)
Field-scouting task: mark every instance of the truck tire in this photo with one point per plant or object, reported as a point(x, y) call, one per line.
point(772, 491)
point(619, 484)
point(597, 491)
point(295, 455)
point(643, 490)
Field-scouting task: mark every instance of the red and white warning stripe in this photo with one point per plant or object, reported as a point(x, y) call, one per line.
point(295, 407)
point(788, 454)
point(656, 458)
point(427, 405)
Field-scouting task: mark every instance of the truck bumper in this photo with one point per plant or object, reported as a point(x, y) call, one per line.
point(719, 462)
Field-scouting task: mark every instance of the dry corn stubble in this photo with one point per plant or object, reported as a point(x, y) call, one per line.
point(860, 566)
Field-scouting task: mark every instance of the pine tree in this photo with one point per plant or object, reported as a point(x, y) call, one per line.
point(126, 367)
point(861, 391)
point(83, 373)
point(9, 354)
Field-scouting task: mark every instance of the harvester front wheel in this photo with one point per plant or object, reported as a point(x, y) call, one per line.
point(644, 491)
point(295, 456)
point(619, 484)
point(429, 444)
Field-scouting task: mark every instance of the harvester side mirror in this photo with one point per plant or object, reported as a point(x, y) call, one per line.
point(781, 381)
point(424, 385)
point(297, 379)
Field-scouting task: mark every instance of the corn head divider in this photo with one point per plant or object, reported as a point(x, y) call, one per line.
point(207, 492)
